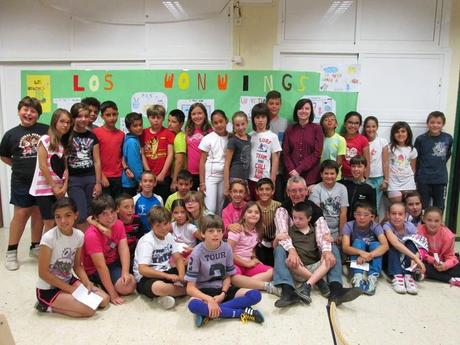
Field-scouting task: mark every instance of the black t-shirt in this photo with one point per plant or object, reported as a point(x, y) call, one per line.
point(20, 144)
point(80, 160)
point(358, 192)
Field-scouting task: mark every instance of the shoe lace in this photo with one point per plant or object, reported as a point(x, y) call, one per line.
point(247, 315)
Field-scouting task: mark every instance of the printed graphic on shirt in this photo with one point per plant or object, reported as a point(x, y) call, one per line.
point(81, 155)
point(331, 206)
point(440, 149)
point(62, 267)
point(263, 155)
point(399, 162)
point(160, 257)
point(351, 152)
point(152, 151)
point(28, 144)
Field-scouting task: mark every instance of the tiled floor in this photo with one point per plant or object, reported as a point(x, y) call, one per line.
point(431, 317)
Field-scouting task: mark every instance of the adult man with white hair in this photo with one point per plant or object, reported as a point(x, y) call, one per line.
point(286, 255)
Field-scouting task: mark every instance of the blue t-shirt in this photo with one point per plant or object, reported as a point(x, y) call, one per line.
point(368, 235)
point(133, 160)
point(142, 206)
point(433, 154)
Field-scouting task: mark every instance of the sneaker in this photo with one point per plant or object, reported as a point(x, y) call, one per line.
point(323, 288)
point(33, 252)
point(201, 320)
point(454, 281)
point(411, 286)
point(42, 308)
point(272, 289)
point(11, 260)
point(419, 276)
point(303, 291)
point(250, 314)
point(398, 284)
point(287, 300)
point(358, 281)
point(167, 302)
point(371, 284)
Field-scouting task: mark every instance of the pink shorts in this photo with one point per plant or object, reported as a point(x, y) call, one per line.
point(252, 271)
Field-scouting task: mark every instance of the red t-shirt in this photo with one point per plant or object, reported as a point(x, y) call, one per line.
point(110, 149)
point(156, 147)
point(355, 148)
point(96, 242)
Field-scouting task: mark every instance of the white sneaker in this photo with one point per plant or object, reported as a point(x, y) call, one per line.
point(272, 289)
point(411, 286)
point(167, 302)
point(398, 284)
point(357, 280)
point(33, 252)
point(11, 260)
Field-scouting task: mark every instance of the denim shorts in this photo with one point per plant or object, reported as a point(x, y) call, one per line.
point(20, 196)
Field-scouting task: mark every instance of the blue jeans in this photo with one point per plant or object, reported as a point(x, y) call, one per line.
point(397, 262)
point(281, 274)
point(435, 192)
point(375, 265)
point(335, 273)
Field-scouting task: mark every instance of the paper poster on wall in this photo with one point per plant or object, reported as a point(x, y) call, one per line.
point(248, 102)
point(140, 101)
point(321, 105)
point(66, 103)
point(340, 78)
point(39, 86)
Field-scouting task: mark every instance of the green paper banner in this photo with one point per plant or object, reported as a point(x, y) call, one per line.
point(135, 90)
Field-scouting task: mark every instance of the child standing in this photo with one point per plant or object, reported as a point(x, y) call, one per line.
point(238, 153)
point(157, 143)
point(434, 150)
point(94, 107)
point(60, 253)
point(18, 149)
point(378, 148)
point(231, 214)
point(154, 275)
point(50, 178)
point(110, 146)
point(402, 161)
point(84, 164)
point(196, 127)
point(265, 148)
point(403, 252)
point(176, 120)
point(414, 210)
point(265, 190)
point(334, 145)
point(146, 199)
point(304, 239)
point(184, 185)
point(208, 280)
point(185, 234)
point(365, 241)
point(212, 162)
point(106, 256)
point(132, 157)
point(440, 260)
point(357, 144)
point(332, 197)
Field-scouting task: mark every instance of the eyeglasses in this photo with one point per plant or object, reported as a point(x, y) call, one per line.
point(353, 123)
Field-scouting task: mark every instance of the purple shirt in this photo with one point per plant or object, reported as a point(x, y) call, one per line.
point(208, 268)
point(368, 235)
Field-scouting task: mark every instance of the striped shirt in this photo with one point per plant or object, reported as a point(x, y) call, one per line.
point(55, 165)
point(268, 218)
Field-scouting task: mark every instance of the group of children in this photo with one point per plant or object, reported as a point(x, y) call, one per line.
point(144, 204)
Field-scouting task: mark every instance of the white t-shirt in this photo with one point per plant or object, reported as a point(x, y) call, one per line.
point(63, 250)
point(401, 174)
point(215, 145)
point(376, 148)
point(263, 144)
point(153, 252)
point(185, 234)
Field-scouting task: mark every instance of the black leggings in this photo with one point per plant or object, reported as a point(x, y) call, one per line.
point(445, 276)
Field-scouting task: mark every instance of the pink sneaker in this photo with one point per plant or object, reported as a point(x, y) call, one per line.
point(455, 281)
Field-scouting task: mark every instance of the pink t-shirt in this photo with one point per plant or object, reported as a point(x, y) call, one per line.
point(443, 243)
point(96, 242)
point(193, 152)
point(231, 215)
point(245, 243)
point(355, 147)
point(110, 147)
